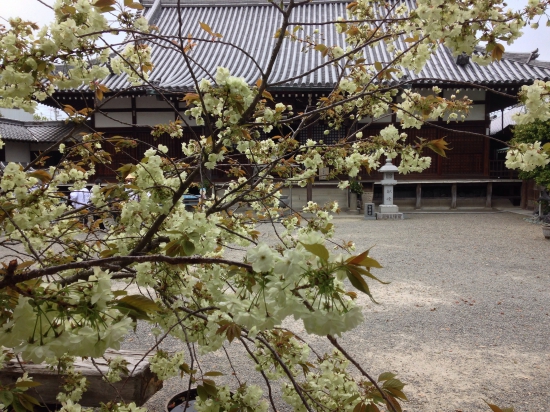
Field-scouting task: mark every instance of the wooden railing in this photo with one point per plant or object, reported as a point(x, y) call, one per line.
point(498, 169)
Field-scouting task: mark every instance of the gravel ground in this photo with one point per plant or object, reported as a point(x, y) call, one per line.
point(465, 318)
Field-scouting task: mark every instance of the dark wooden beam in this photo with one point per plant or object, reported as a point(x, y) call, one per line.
point(453, 196)
point(488, 200)
point(418, 196)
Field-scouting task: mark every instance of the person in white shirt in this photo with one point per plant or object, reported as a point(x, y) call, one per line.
point(80, 198)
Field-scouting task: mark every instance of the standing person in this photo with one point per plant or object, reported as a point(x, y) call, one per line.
point(95, 215)
point(80, 198)
point(130, 181)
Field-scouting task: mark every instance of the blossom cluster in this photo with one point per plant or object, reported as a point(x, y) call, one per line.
point(247, 397)
point(536, 99)
point(527, 157)
point(166, 366)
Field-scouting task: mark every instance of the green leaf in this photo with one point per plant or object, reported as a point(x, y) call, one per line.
point(327, 228)
point(378, 66)
point(370, 263)
point(546, 147)
point(267, 95)
point(371, 407)
point(132, 312)
point(24, 265)
point(364, 260)
point(27, 384)
point(140, 302)
point(213, 373)
point(104, 3)
point(397, 393)
point(386, 376)
point(206, 28)
point(17, 406)
point(394, 403)
point(358, 282)
point(360, 407)
point(41, 175)
point(439, 146)
point(201, 391)
point(108, 253)
point(495, 408)
point(135, 6)
point(498, 52)
point(321, 48)
point(210, 387)
point(180, 247)
point(233, 331)
point(6, 398)
point(25, 402)
point(30, 399)
point(173, 248)
point(393, 384)
point(126, 169)
point(188, 247)
point(366, 273)
point(351, 399)
point(318, 250)
point(7, 206)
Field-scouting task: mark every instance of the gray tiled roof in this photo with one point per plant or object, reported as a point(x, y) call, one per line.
point(40, 132)
point(251, 25)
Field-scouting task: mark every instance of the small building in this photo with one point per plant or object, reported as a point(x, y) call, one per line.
point(25, 140)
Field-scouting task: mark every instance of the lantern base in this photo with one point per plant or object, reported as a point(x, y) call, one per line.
point(389, 209)
point(389, 216)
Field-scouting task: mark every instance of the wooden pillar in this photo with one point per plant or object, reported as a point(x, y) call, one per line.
point(418, 196)
point(309, 191)
point(309, 187)
point(134, 114)
point(453, 196)
point(523, 200)
point(486, 150)
point(488, 200)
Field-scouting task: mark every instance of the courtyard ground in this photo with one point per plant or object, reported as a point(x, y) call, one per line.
point(465, 318)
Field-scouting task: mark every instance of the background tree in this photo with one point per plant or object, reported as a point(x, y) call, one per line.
point(538, 131)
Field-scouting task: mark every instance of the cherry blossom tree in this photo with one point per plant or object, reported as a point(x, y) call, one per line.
point(60, 293)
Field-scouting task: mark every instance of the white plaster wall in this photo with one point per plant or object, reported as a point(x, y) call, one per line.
point(470, 94)
point(39, 146)
point(117, 103)
point(16, 114)
point(477, 112)
point(188, 120)
point(115, 119)
point(153, 118)
point(151, 102)
point(17, 152)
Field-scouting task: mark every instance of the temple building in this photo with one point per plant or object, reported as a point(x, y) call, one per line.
point(473, 173)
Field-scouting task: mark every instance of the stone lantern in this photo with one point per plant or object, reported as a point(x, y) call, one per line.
point(387, 209)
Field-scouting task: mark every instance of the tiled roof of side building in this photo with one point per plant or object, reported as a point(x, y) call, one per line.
point(251, 26)
point(38, 132)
